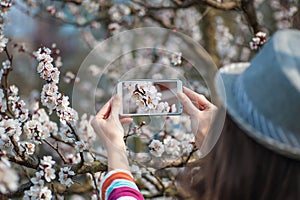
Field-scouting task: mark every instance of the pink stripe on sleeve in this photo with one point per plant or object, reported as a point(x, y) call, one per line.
point(125, 191)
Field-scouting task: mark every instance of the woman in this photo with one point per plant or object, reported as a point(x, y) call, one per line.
point(258, 153)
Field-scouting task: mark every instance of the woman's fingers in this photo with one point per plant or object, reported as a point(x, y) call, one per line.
point(126, 120)
point(199, 98)
point(104, 111)
point(115, 106)
point(188, 105)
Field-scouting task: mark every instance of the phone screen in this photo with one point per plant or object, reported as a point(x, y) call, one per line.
point(150, 97)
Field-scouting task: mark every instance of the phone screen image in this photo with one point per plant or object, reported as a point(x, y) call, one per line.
point(150, 97)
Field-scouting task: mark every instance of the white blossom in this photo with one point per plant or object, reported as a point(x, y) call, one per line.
point(6, 64)
point(156, 148)
point(114, 28)
point(85, 129)
point(8, 177)
point(12, 127)
point(136, 171)
point(80, 146)
point(49, 174)
point(3, 42)
point(13, 90)
point(94, 197)
point(65, 176)
point(147, 98)
point(176, 58)
point(37, 192)
point(62, 102)
point(171, 146)
point(43, 54)
point(67, 115)
point(3, 106)
point(36, 131)
point(38, 180)
point(49, 96)
point(70, 76)
point(18, 106)
point(66, 134)
point(118, 11)
point(91, 6)
point(47, 162)
point(28, 147)
point(73, 159)
point(5, 142)
point(186, 147)
point(41, 116)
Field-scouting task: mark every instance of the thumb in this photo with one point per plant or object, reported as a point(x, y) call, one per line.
point(187, 104)
point(115, 106)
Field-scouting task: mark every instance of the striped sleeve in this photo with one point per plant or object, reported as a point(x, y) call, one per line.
point(119, 184)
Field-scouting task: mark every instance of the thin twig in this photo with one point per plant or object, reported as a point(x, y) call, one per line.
point(6, 84)
point(78, 139)
point(95, 183)
point(57, 150)
point(182, 163)
point(16, 147)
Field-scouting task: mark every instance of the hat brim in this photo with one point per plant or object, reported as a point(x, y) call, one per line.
point(225, 84)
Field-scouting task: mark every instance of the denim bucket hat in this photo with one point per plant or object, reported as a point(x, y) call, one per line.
point(263, 96)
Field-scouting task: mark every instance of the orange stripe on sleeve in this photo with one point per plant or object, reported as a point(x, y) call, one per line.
point(109, 180)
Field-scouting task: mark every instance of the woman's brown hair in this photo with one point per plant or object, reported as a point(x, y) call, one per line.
point(240, 168)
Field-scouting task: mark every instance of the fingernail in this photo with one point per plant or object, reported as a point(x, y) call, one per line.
point(180, 94)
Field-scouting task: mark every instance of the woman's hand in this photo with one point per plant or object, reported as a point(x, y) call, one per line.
point(201, 112)
point(108, 126)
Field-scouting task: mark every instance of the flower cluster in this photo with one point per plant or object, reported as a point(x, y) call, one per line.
point(156, 148)
point(171, 147)
point(50, 96)
point(258, 40)
point(147, 98)
point(91, 6)
point(40, 127)
point(45, 67)
point(46, 174)
point(4, 8)
point(10, 130)
point(118, 12)
point(17, 105)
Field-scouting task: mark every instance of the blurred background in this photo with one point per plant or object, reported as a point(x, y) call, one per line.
point(223, 27)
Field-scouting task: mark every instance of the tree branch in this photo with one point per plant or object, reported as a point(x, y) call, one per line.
point(250, 14)
point(186, 4)
point(76, 2)
point(29, 162)
point(91, 167)
point(231, 5)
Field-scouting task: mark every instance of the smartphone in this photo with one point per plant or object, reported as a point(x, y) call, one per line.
point(144, 97)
